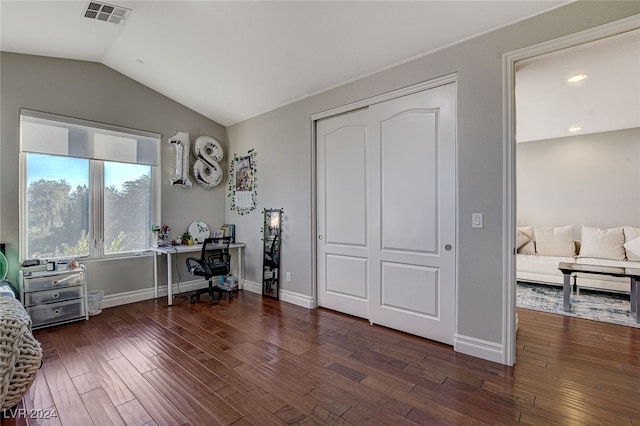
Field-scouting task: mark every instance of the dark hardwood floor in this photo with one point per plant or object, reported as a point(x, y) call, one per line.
point(263, 362)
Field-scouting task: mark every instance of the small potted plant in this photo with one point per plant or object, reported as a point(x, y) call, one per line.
point(187, 238)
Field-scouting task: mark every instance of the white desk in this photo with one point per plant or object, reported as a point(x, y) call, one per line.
point(169, 250)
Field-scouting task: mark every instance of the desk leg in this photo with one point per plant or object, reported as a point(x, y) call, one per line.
point(635, 298)
point(155, 275)
point(169, 280)
point(567, 293)
point(240, 274)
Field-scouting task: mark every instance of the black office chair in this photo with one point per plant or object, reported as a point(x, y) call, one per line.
point(215, 260)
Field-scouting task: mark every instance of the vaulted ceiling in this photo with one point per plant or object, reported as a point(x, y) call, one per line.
point(232, 60)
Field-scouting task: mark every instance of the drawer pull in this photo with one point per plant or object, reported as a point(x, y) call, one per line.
point(57, 312)
point(55, 295)
point(58, 282)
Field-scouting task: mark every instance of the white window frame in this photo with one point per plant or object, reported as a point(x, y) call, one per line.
point(96, 186)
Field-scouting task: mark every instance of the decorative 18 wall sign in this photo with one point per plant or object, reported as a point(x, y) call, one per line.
point(207, 169)
point(181, 176)
point(242, 185)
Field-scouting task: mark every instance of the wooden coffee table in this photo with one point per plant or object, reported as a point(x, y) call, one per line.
point(568, 269)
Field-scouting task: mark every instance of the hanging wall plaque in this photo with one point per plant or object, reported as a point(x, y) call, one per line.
point(242, 184)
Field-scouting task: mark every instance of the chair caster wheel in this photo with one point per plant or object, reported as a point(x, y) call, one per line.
point(230, 296)
point(194, 299)
point(214, 302)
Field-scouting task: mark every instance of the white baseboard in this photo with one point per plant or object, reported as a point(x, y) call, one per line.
point(285, 295)
point(252, 286)
point(296, 299)
point(479, 348)
point(118, 299)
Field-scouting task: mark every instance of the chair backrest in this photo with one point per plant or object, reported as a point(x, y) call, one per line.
point(214, 244)
point(218, 259)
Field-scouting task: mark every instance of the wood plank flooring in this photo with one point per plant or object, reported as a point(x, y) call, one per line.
point(264, 362)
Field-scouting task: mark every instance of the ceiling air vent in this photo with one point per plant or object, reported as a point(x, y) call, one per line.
point(106, 12)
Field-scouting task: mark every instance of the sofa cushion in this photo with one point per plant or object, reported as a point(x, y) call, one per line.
point(598, 261)
point(633, 250)
point(631, 234)
point(547, 265)
point(554, 241)
point(602, 243)
point(524, 240)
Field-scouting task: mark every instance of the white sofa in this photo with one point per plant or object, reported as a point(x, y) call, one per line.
point(540, 249)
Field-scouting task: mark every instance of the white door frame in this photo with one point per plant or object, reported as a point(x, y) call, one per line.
point(509, 161)
point(451, 78)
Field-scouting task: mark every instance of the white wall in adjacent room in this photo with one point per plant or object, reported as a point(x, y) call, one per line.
point(581, 180)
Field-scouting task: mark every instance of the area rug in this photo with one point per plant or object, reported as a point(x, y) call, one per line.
point(593, 305)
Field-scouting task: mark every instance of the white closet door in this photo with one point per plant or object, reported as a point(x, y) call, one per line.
point(412, 212)
point(342, 246)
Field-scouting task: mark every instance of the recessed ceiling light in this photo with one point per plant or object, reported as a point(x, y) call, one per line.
point(574, 129)
point(576, 78)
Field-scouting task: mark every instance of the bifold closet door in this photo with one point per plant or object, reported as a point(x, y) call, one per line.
point(386, 213)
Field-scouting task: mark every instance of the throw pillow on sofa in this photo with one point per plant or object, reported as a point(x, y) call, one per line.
point(632, 234)
point(555, 241)
point(602, 243)
point(524, 240)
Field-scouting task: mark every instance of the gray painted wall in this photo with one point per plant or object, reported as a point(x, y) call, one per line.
point(95, 92)
point(580, 180)
point(283, 141)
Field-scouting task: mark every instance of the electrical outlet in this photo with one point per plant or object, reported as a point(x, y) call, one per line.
point(288, 276)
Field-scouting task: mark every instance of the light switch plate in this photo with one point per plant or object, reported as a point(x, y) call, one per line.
point(477, 220)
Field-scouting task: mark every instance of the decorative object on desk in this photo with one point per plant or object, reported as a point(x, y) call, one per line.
point(243, 183)
point(229, 231)
point(271, 239)
point(199, 231)
point(207, 169)
point(187, 238)
point(161, 235)
point(181, 176)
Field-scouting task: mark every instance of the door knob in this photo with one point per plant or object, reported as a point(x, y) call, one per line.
point(319, 237)
point(448, 247)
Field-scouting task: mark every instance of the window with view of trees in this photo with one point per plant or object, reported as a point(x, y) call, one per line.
point(85, 204)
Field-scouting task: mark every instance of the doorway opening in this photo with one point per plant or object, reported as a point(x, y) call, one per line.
point(553, 185)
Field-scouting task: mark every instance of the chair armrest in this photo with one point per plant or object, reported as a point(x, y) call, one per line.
point(190, 260)
point(196, 266)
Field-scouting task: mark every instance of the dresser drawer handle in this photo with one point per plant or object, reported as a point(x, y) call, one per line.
point(56, 312)
point(55, 295)
point(57, 282)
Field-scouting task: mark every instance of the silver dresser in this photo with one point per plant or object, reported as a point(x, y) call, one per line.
point(54, 297)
